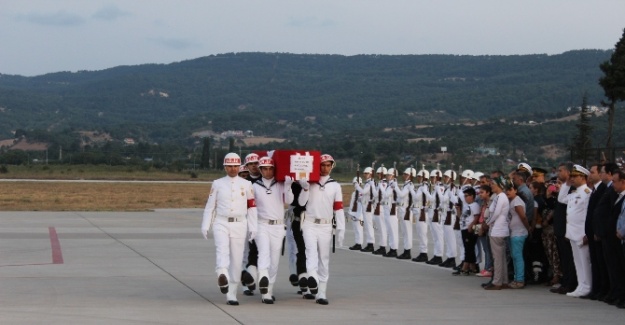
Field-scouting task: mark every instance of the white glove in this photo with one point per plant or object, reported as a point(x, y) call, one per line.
point(205, 227)
point(288, 180)
point(252, 236)
point(341, 236)
point(304, 183)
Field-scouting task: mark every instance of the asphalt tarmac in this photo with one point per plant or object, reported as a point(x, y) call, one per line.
point(156, 268)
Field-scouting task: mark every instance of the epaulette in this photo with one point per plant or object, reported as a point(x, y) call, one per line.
point(587, 190)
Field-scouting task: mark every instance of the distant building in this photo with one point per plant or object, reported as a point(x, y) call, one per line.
point(129, 141)
point(486, 151)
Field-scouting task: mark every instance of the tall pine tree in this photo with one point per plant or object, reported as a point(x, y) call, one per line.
point(613, 84)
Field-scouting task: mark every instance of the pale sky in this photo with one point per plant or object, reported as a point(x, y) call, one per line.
point(42, 36)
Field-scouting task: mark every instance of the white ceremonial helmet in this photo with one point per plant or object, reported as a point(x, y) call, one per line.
point(381, 170)
point(390, 171)
point(467, 173)
point(436, 173)
point(367, 170)
point(451, 174)
point(265, 162)
point(251, 158)
point(326, 157)
point(243, 169)
point(424, 173)
point(411, 171)
point(525, 167)
point(477, 175)
point(232, 159)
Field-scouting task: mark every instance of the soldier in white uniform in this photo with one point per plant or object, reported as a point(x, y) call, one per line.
point(271, 196)
point(231, 211)
point(449, 200)
point(422, 213)
point(389, 206)
point(367, 206)
point(405, 199)
point(324, 207)
point(356, 214)
point(378, 213)
point(436, 228)
point(576, 211)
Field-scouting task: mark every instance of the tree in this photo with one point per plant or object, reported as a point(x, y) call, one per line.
point(613, 84)
point(206, 153)
point(582, 141)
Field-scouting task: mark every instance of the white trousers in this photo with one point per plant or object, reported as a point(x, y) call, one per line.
point(449, 237)
point(367, 218)
point(422, 229)
point(381, 225)
point(358, 230)
point(392, 227)
point(581, 258)
point(269, 243)
point(230, 242)
point(405, 228)
point(318, 241)
point(436, 229)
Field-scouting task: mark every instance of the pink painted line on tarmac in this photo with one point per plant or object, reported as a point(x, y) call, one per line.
point(57, 255)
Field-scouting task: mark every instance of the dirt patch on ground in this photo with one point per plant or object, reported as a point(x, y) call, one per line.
point(26, 145)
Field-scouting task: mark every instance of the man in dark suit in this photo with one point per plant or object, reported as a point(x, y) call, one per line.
point(614, 254)
point(600, 284)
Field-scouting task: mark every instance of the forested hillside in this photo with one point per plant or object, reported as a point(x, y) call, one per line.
point(287, 95)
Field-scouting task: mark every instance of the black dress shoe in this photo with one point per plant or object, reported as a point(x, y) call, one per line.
point(247, 279)
point(391, 253)
point(267, 301)
point(356, 247)
point(621, 305)
point(423, 257)
point(435, 260)
point(222, 280)
point(322, 301)
point(380, 251)
point(405, 255)
point(248, 292)
point(263, 285)
point(312, 285)
point(293, 279)
point(587, 297)
point(233, 303)
point(368, 249)
point(450, 262)
point(309, 296)
point(303, 284)
point(486, 284)
point(610, 301)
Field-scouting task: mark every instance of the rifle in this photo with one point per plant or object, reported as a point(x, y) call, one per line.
point(409, 206)
point(450, 205)
point(355, 205)
point(394, 203)
point(377, 206)
point(370, 203)
point(333, 233)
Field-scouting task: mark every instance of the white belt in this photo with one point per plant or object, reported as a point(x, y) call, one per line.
point(319, 221)
point(233, 219)
point(271, 222)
